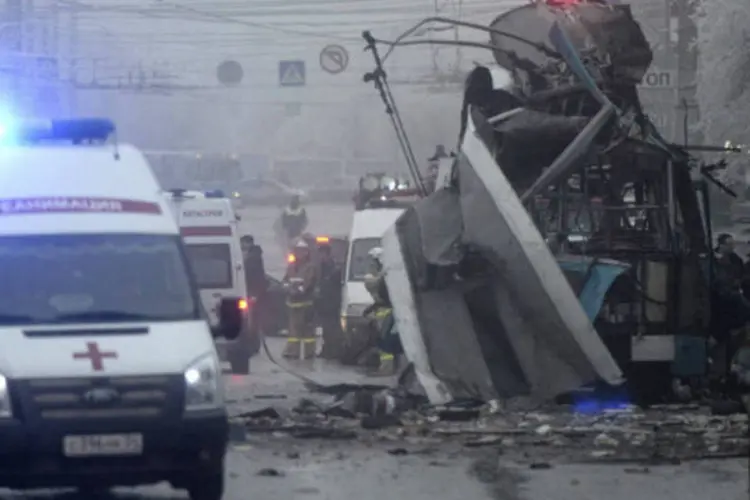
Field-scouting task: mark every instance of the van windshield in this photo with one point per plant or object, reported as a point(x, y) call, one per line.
point(360, 262)
point(88, 278)
point(211, 264)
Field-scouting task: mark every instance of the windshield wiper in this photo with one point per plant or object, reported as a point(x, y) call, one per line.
point(108, 315)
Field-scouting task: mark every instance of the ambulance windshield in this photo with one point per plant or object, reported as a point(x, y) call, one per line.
point(94, 278)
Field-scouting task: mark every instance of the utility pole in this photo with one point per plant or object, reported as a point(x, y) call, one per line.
point(29, 83)
point(681, 12)
point(10, 33)
point(47, 94)
point(434, 48)
point(72, 56)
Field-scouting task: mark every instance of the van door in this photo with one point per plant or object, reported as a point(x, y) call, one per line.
point(214, 272)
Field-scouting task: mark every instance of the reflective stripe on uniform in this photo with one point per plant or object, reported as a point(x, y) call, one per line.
point(294, 212)
point(309, 340)
point(291, 340)
point(382, 313)
point(297, 305)
point(384, 356)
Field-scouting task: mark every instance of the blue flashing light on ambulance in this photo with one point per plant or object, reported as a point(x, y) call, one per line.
point(107, 356)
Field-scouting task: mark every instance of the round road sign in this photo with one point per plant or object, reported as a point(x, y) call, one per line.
point(334, 59)
point(230, 73)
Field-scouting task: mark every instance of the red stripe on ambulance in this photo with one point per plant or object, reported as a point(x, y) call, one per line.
point(206, 231)
point(76, 204)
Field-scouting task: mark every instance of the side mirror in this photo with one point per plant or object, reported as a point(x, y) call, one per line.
point(231, 312)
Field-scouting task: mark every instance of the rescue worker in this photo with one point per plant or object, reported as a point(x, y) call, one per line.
point(728, 259)
point(731, 310)
point(433, 167)
point(299, 282)
point(380, 314)
point(255, 271)
point(257, 286)
point(329, 303)
point(294, 219)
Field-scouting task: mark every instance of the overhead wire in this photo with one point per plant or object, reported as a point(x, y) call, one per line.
point(110, 71)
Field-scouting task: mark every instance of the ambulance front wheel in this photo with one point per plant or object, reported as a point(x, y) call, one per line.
point(208, 487)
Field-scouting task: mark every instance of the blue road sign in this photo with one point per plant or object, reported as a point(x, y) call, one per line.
point(291, 73)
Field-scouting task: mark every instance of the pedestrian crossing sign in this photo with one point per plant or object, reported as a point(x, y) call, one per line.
point(291, 73)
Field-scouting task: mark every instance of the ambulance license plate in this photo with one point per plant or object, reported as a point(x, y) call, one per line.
point(102, 445)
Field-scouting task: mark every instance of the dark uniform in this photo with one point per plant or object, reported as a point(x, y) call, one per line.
point(257, 286)
point(255, 271)
point(300, 280)
point(329, 303)
point(730, 308)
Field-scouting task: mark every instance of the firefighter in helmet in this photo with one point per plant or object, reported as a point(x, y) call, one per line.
point(300, 282)
point(380, 314)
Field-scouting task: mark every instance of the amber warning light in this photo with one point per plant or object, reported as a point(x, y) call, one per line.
point(322, 239)
point(243, 305)
point(291, 258)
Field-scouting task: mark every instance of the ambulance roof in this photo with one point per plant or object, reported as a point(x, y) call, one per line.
point(50, 189)
point(373, 222)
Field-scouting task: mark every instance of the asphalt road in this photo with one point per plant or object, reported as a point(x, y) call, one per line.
point(278, 467)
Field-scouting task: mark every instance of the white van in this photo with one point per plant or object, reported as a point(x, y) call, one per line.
point(209, 228)
point(380, 201)
point(108, 365)
point(368, 227)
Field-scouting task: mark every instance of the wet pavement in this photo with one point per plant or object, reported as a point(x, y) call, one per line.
point(452, 462)
point(473, 461)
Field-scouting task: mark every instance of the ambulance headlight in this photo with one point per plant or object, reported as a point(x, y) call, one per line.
point(5, 408)
point(203, 389)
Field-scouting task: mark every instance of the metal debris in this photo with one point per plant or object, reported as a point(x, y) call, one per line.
point(659, 435)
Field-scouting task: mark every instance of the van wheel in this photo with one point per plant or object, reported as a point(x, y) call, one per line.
point(208, 488)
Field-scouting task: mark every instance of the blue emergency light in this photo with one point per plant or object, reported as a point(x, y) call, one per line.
point(216, 193)
point(75, 130)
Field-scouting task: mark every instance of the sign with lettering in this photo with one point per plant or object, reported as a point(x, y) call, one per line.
point(659, 79)
point(203, 213)
point(64, 204)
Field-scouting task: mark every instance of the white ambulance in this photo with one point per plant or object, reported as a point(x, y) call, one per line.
point(209, 228)
point(108, 371)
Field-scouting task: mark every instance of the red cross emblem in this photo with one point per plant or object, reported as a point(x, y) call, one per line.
point(96, 356)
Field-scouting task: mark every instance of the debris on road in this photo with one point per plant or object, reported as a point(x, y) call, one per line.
point(659, 435)
point(270, 472)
